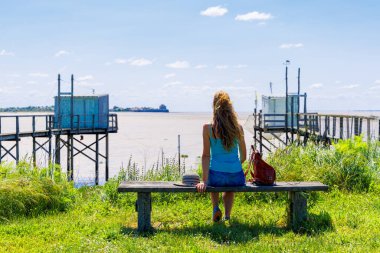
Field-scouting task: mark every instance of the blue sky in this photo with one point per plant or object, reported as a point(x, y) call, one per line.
point(144, 53)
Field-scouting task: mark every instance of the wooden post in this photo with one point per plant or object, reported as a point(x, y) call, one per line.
point(261, 141)
point(58, 149)
point(299, 89)
point(144, 209)
point(292, 117)
point(34, 151)
point(286, 105)
point(17, 139)
point(179, 154)
point(33, 141)
point(107, 157)
point(379, 130)
point(306, 130)
point(58, 111)
point(304, 103)
point(297, 210)
point(72, 103)
point(334, 127)
point(348, 128)
point(341, 128)
point(356, 126)
point(368, 130)
point(72, 156)
point(97, 159)
point(68, 159)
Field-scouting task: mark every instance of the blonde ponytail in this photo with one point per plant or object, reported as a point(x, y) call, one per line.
point(225, 123)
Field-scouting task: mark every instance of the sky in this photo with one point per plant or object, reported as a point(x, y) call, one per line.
point(179, 53)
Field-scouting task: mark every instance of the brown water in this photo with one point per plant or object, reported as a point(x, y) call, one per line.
point(142, 137)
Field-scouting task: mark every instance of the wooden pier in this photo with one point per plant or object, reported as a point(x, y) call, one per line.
point(74, 117)
point(46, 137)
point(272, 131)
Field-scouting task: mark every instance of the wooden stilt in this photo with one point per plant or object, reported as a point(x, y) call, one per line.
point(72, 156)
point(69, 172)
point(34, 152)
point(58, 149)
point(97, 159)
point(107, 157)
point(17, 139)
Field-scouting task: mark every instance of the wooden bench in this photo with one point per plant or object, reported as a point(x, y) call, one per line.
point(297, 209)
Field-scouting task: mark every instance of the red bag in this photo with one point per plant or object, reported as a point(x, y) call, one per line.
point(261, 172)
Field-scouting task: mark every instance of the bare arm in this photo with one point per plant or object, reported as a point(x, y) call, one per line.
point(242, 147)
point(201, 187)
point(206, 153)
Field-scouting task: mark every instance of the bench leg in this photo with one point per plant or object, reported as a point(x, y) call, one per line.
point(144, 208)
point(297, 210)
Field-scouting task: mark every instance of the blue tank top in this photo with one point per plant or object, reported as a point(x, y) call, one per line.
point(221, 159)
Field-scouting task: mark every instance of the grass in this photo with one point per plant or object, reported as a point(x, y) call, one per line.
point(338, 223)
point(98, 219)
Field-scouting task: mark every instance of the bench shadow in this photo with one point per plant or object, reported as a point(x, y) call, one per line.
point(316, 224)
point(240, 232)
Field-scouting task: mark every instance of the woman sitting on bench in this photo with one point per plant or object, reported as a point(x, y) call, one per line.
point(225, 139)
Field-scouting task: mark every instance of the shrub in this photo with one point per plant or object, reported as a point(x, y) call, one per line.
point(29, 191)
point(351, 165)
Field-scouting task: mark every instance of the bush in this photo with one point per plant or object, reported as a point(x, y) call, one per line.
point(351, 165)
point(29, 191)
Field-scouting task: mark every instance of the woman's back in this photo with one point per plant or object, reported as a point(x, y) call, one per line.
point(223, 160)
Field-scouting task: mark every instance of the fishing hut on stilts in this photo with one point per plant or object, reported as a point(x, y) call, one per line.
point(74, 117)
point(284, 120)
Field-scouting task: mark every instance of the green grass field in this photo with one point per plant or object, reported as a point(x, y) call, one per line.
point(338, 222)
point(41, 212)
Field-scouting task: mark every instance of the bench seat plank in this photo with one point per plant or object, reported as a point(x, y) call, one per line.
point(152, 186)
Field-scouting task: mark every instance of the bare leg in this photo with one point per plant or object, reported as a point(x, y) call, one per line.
point(214, 199)
point(228, 200)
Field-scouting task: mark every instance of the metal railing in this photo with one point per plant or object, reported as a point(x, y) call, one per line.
point(48, 122)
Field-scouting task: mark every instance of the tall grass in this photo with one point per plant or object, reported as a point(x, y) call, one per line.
point(351, 165)
point(28, 191)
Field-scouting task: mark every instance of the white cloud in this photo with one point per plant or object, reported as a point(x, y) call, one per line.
point(240, 66)
point(37, 74)
point(254, 16)
point(351, 86)
point(215, 11)
point(6, 53)
point(290, 45)
point(170, 75)
point(61, 53)
point(377, 81)
point(31, 82)
point(85, 78)
point(377, 87)
point(200, 66)
point(178, 65)
point(140, 62)
point(316, 85)
point(120, 61)
point(172, 84)
point(221, 67)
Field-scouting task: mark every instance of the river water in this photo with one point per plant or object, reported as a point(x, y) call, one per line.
point(143, 138)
